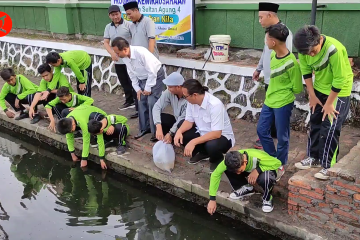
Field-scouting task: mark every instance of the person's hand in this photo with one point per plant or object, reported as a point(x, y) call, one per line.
point(189, 148)
point(146, 93)
point(110, 130)
point(44, 95)
point(178, 140)
point(17, 103)
point(103, 164)
point(211, 207)
point(82, 86)
point(83, 163)
point(70, 109)
point(31, 113)
point(167, 139)
point(10, 114)
point(159, 134)
point(74, 157)
point(51, 126)
point(138, 94)
point(329, 110)
point(114, 57)
point(313, 101)
point(253, 177)
point(256, 75)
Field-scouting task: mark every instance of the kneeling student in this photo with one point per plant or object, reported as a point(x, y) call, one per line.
point(16, 91)
point(112, 127)
point(244, 168)
point(64, 103)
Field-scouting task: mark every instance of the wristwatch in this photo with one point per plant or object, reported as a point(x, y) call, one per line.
point(172, 134)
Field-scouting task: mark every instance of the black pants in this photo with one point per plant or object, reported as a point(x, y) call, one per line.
point(123, 76)
point(87, 73)
point(323, 141)
point(167, 122)
point(10, 98)
point(119, 134)
point(213, 148)
point(266, 181)
point(60, 110)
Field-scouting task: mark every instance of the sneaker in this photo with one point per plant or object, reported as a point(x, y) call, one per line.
point(213, 166)
point(77, 135)
point(22, 116)
point(258, 144)
point(308, 163)
point(35, 119)
point(109, 143)
point(198, 158)
point(268, 206)
point(126, 105)
point(93, 141)
point(280, 173)
point(121, 149)
point(246, 190)
point(323, 174)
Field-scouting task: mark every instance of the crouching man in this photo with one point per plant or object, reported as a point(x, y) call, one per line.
point(244, 168)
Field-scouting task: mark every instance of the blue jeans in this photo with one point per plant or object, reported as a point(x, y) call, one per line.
point(281, 116)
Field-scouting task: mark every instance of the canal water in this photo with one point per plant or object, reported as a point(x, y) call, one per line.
point(43, 196)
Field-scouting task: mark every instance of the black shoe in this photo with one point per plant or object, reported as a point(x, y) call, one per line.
point(77, 135)
point(22, 116)
point(142, 133)
point(198, 158)
point(258, 145)
point(213, 166)
point(135, 115)
point(35, 119)
point(110, 143)
point(121, 149)
point(126, 105)
point(93, 141)
point(153, 139)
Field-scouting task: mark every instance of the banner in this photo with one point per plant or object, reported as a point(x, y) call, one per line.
point(173, 19)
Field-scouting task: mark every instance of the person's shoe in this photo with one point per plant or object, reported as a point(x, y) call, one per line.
point(268, 206)
point(308, 163)
point(135, 115)
point(153, 139)
point(35, 119)
point(121, 149)
point(93, 141)
point(213, 166)
point(280, 173)
point(323, 174)
point(244, 191)
point(198, 158)
point(258, 145)
point(22, 116)
point(142, 133)
point(126, 105)
point(109, 143)
point(77, 135)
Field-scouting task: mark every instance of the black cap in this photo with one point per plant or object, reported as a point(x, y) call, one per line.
point(114, 8)
point(270, 7)
point(130, 5)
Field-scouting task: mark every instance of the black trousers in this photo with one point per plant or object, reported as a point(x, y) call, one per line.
point(123, 76)
point(213, 148)
point(60, 110)
point(87, 73)
point(266, 181)
point(119, 134)
point(10, 98)
point(167, 122)
point(323, 141)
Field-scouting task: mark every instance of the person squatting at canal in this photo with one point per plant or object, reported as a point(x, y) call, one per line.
point(64, 103)
point(112, 128)
point(329, 95)
point(17, 90)
point(48, 87)
point(206, 131)
point(146, 74)
point(79, 62)
point(245, 168)
point(285, 81)
point(166, 123)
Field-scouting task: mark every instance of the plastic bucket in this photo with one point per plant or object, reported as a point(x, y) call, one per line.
point(219, 47)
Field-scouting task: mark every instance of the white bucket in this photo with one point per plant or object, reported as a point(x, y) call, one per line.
point(220, 47)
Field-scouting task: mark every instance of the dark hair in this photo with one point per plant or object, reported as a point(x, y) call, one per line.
point(64, 126)
point(63, 91)
point(6, 74)
point(120, 43)
point(233, 161)
point(194, 86)
point(278, 31)
point(307, 37)
point(94, 126)
point(44, 68)
point(52, 57)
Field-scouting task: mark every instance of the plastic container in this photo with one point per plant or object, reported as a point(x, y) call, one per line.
point(220, 47)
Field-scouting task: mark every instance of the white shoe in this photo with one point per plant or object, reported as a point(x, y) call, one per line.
point(246, 190)
point(308, 163)
point(323, 174)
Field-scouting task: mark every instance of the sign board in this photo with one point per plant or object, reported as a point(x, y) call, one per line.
point(173, 19)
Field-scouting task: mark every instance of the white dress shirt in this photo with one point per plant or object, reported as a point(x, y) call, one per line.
point(142, 65)
point(210, 116)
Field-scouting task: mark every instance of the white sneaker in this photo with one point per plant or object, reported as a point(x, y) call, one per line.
point(323, 174)
point(246, 190)
point(308, 163)
point(280, 173)
point(268, 206)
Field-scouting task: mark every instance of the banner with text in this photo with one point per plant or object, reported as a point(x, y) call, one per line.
point(173, 19)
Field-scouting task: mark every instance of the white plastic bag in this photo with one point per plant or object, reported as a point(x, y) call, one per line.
point(164, 156)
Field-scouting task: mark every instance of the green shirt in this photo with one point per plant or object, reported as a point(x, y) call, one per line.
point(58, 80)
point(76, 100)
point(22, 88)
point(331, 66)
point(257, 159)
point(81, 116)
point(76, 60)
point(285, 81)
